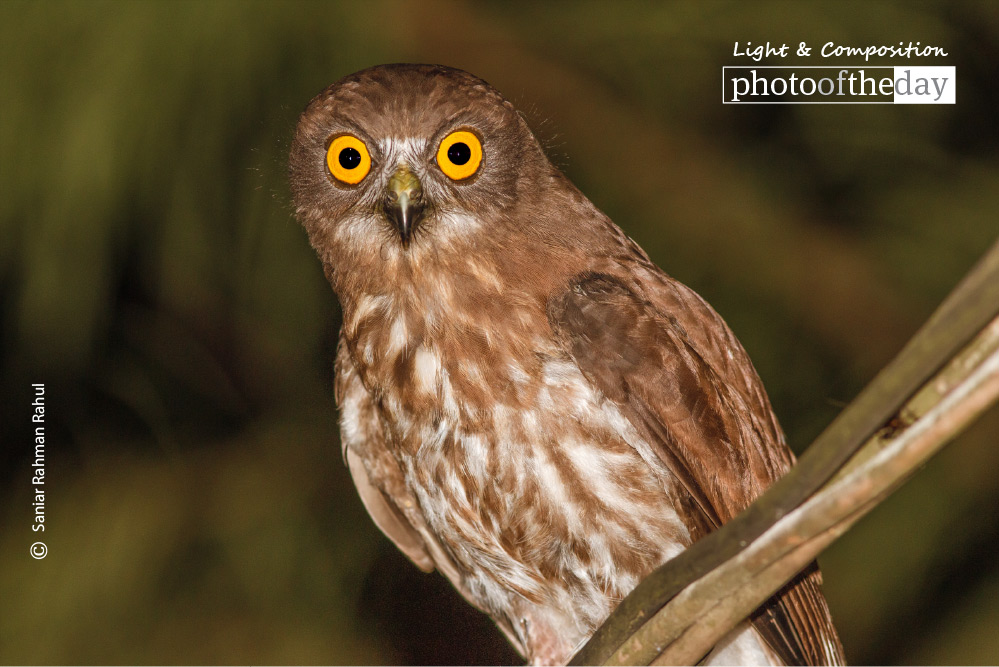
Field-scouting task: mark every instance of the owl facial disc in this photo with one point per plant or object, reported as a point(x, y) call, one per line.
point(403, 201)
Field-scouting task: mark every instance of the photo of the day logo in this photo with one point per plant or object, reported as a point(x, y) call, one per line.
point(803, 84)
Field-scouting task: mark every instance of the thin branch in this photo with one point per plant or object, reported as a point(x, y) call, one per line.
point(969, 308)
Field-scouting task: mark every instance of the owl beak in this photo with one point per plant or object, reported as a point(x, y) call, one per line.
point(404, 202)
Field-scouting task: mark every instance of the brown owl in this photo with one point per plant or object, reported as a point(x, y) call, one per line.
point(528, 403)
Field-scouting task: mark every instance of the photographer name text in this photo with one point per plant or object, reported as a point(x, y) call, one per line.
point(38, 466)
point(38, 550)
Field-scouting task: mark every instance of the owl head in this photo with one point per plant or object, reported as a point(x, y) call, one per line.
point(398, 162)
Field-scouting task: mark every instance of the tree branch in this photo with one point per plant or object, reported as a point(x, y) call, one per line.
point(734, 564)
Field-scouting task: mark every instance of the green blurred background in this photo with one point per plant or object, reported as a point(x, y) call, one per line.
point(153, 277)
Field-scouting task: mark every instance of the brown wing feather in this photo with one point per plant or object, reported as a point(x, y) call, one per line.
point(375, 473)
point(685, 383)
point(387, 517)
point(381, 486)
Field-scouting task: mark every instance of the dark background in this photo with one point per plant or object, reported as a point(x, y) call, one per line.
point(153, 277)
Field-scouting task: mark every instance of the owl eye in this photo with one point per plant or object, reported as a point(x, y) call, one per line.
point(348, 159)
point(460, 154)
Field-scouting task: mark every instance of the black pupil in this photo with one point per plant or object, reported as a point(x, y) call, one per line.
point(349, 158)
point(459, 153)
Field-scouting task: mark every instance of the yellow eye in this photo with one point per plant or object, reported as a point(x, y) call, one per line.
point(460, 155)
point(348, 159)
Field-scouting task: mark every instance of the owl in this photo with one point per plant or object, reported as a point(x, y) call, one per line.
point(528, 404)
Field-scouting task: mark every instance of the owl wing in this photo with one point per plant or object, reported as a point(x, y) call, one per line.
point(376, 474)
point(382, 487)
point(387, 516)
point(681, 378)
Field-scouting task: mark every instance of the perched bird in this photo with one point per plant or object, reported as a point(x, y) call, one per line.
point(528, 404)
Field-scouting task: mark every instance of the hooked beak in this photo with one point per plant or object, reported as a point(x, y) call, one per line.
point(404, 202)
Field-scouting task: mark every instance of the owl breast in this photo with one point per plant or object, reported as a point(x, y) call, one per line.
point(544, 497)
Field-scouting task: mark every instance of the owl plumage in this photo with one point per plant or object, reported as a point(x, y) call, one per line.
point(528, 404)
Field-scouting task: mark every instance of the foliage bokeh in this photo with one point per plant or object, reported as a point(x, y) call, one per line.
point(153, 277)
